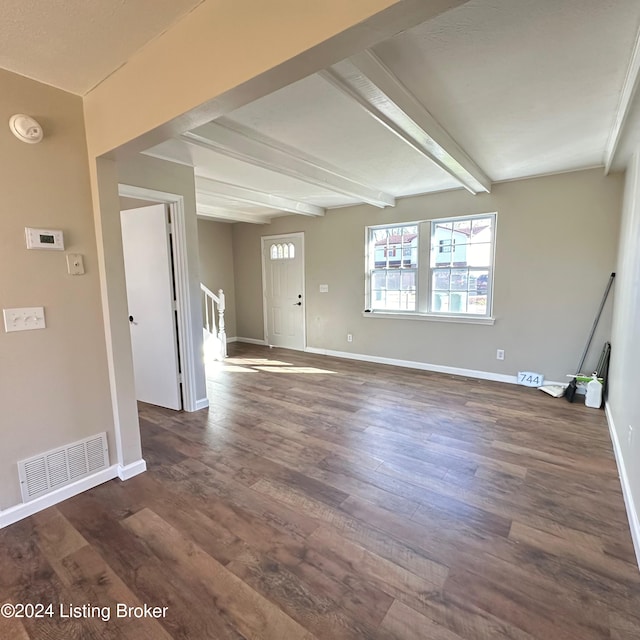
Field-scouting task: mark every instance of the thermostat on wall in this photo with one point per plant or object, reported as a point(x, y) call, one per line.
point(44, 239)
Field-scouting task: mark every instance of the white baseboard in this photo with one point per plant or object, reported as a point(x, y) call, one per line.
point(632, 511)
point(250, 340)
point(234, 339)
point(25, 509)
point(203, 403)
point(128, 471)
point(423, 366)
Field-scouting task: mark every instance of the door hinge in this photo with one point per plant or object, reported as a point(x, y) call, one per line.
point(180, 378)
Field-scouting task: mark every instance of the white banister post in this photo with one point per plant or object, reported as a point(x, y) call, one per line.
point(222, 335)
point(206, 312)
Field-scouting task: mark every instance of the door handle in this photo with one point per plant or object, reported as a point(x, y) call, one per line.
point(131, 320)
point(297, 304)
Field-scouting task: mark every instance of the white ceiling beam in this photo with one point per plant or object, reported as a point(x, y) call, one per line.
point(629, 90)
point(229, 215)
point(262, 152)
point(378, 91)
point(217, 189)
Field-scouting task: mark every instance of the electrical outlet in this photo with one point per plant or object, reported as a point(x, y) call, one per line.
point(500, 354)
point(349, 337)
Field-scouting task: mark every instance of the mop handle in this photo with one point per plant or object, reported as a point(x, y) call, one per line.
point(595, 323)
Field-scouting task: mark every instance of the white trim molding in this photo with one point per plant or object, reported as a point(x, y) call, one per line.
point(625, 105)
point(26, 509)
point(203, 403)
point(629, 503)
point(248, 340)
point(423, 366)
point(428, 317)
point(130, 470)
point(187, 339)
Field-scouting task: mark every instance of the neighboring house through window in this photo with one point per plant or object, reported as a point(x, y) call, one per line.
point(454, 275)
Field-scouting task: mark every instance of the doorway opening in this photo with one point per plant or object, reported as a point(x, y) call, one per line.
point(185, 337)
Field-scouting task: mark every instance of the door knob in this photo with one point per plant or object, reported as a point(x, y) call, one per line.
point(297, 304)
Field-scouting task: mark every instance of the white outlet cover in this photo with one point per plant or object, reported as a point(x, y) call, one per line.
point(23, 319)
point(324, 288)
point(75, 264)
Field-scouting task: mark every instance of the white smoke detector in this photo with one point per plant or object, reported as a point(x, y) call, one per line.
point(25, 128)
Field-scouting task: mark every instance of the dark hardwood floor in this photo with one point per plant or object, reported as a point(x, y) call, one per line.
point(332, 499)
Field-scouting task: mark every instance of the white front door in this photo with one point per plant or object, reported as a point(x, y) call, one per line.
point(283, 285)
point(150, 296)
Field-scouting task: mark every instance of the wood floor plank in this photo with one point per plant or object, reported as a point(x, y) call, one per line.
point(12, 628)
point(319, 497)
point(146, 575)
point(407, 623)
point(585, 554)
point(253, 615)
point(319, 610)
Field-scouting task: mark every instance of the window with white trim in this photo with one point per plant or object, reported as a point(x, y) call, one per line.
point(432, 267)
point(282, 251)
point(393, 267)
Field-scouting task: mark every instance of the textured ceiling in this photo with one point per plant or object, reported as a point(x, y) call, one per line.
point(525, 87)
point(499, 89)
point(74, 44)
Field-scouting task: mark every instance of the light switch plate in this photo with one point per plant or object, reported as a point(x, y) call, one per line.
point(23, 319)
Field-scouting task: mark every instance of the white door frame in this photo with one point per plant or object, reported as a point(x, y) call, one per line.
point(263, 241)
point(186, 348)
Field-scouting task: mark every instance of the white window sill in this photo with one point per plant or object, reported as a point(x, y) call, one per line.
point(428, 317)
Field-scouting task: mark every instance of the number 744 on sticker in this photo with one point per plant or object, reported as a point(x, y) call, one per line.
point(530, 379)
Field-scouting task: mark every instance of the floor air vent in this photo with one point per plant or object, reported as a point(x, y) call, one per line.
point(56, 468)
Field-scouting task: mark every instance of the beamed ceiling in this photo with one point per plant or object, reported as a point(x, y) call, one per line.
point(490, 91)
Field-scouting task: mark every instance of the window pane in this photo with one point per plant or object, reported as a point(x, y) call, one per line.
point(274, 252)
point(441, 280)
point(408, 280)
point(481, 230)
point(459, 279)
point(440, 301)
point(393, 279)
point(292, 250)
point(443, 244)
point(379, 280)
point(478, 289)
point(393, 290)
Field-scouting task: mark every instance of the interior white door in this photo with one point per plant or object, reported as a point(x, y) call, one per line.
point(283, 280)
point(150, 296)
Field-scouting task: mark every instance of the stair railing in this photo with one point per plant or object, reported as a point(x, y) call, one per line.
point(215, 305)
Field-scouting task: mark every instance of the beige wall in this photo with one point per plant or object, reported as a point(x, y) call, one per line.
point(216, 265)
point(53, 383)
point(556, 245)
point(623, 393)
